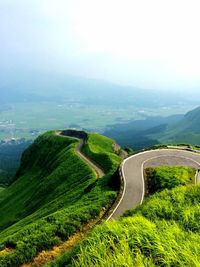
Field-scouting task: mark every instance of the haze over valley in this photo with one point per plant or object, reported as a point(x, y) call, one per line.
point(62, 66)
point(32, 103)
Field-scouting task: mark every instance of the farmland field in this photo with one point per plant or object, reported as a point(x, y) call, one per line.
point(28, 120)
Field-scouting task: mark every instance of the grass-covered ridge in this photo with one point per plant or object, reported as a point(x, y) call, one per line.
point(100, 149)
point(54, 193)
point(163, 231)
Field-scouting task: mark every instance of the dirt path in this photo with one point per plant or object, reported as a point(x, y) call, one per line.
point(47, 256)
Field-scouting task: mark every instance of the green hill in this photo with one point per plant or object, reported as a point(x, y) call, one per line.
point(185, 131)
point(175, 129)
point(163, 231)
point(54, 194)
point(143, 133)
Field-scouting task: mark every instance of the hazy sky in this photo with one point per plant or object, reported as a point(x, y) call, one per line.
point(145, 43)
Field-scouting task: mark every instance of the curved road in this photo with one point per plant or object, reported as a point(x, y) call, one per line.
point(132, 174)
point(92, 164)
point(87, 160)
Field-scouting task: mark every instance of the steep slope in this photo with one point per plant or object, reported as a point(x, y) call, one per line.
point(54, 194)
point(193, 120)
point(10, 154)
point(163, 231)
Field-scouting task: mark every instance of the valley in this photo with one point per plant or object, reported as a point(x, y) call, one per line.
point(10, 154)
point(32, 103)
point(25, 120)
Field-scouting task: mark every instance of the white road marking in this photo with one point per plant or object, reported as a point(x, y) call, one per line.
point(123, 177)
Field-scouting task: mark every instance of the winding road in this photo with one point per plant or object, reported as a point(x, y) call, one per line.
point(87, 160)
point(132, 170)
point(98, 170)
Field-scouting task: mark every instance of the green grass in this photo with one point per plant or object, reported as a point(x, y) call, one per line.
point(1, 189)
point(180, 204)
point(163, 177)
point(99, 148)
point(53, 195)
point(163, 231)
point(196, 148)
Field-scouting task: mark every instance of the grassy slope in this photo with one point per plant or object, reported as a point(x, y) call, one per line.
point(196, 147)
point(185, 131)
point(99, 148)
point(1, 189)
point(49, 200)
point(163, 177)
point(164, 231)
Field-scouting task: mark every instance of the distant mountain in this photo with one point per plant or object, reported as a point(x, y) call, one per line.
point(191, 121)
point(139, 134)
point(187, 130)
point(175, 129)
point(33, 86)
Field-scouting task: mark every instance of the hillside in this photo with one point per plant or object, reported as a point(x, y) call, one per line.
point(163, 231)
point(185, 131)
point(140, 134)
point(10, 154)
point(53, 195)
point(176, 129)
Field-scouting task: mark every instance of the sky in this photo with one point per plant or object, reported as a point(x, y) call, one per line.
point(144, 43)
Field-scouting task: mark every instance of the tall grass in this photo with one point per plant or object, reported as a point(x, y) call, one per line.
point(99, 148)
point(163, 177)
point(53, 195)
point(163, 231)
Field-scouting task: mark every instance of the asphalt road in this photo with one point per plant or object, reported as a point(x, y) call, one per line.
point(87, 160)
point(132, 170)
point(97, 169)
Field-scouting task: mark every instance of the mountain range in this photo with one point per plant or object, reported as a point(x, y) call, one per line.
point(175, 129)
